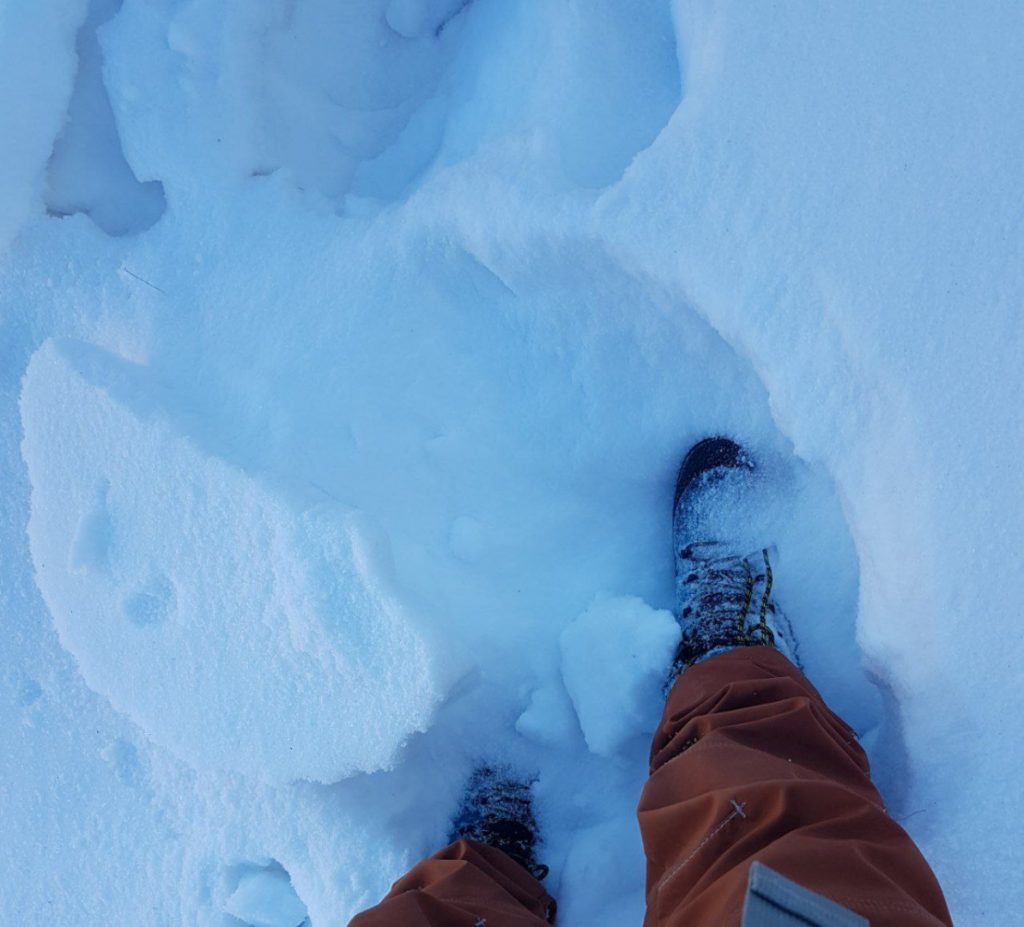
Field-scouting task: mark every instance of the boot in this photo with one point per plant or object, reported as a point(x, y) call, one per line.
point(723, 594)
point(497, 810)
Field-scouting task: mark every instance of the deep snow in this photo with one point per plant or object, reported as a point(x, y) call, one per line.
point(348, 352)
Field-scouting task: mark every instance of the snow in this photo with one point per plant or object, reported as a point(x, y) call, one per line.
point(292, 620)
point(265, 898)
point(87, 171)
point(348, 353)
point(37, 62)
point(614, 659)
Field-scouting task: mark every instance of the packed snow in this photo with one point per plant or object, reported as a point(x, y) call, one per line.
point(347, 355)
point(627, 645)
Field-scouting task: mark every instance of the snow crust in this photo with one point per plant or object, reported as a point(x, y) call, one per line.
point(175, 579)
point(347, 354)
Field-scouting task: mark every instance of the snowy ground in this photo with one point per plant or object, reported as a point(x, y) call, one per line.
point(347, 352)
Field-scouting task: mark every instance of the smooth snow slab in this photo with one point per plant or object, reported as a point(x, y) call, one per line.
point(235, 630)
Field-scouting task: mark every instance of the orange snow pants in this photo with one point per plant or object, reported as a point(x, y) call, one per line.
point(748, 763)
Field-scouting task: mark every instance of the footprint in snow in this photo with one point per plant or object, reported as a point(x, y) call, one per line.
point(152, 604)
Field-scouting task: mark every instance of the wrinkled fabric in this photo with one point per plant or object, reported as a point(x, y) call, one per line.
point(748, 763)
point(467, 884)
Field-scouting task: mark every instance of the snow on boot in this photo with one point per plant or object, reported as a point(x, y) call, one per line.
point(723, 595)
point(497, 810)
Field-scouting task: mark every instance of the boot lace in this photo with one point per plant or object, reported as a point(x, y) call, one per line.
point(497, 810)
point(720, 608)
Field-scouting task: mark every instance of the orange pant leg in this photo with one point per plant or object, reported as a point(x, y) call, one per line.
point(467, 884)
point(750, 764)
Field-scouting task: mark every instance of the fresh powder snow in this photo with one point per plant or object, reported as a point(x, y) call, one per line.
point(348, 351)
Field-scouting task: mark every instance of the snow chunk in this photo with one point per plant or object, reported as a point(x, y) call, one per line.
point(615, 657)
point(548, 720)
point(233, 629)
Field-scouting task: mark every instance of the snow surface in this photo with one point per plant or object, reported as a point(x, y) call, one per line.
point(348, 353)
point(613, 666)
point(290, 621)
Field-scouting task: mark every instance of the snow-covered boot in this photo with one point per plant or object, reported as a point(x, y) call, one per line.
point(497, 810)
point(723, 593)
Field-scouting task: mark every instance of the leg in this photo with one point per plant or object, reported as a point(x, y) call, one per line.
point(749, 763)
point(467, 884)
point(488, 876)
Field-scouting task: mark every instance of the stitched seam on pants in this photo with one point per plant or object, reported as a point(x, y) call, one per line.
point(738, 811)
point(907, 907)
point(507, 907)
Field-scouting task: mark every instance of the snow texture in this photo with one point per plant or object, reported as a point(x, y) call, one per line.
point(87, 171)
point(347, 355)
point(614, 659)
point(294, 617)
point(265, 898)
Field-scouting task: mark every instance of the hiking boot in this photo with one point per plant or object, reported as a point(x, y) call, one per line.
point(497, 810)
point(723, 593)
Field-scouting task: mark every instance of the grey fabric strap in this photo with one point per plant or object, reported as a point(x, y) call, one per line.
point(775, 901)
